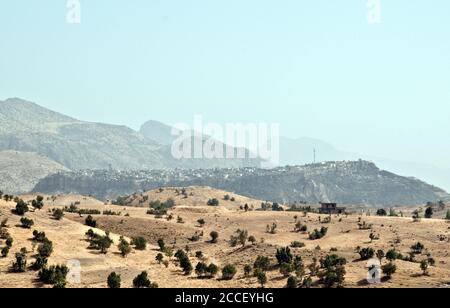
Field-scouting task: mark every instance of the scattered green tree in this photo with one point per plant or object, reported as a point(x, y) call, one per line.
point(91, 222)
point(389, 269)
point(114, 281)
point(381, 212)
point(21, 207)
point(20, 265)
point(292, 282)
point(26, 222)
point(139, 242)
point(228, 272)
point(124, 247)
point(58, 214)
point(142, 281)
point(54, 275)
point(159, 258)
point(429, 212)
point(214, 236)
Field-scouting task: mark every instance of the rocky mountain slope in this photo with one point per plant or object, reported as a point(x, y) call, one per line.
point(301, 151)
point(162, 133)
point(357, 183)
point(20, 171)
point(75, 144)
point(80, 145)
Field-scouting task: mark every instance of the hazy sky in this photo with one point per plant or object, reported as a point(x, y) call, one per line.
point(317, 67)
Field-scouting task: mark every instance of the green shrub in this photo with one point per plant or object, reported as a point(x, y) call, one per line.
point(162, 245)
point(39, 236)
point(381, 212)
point(292, 282)
point(213, 202)
point(389, 269)
point(142, 281)
point(186, 265)
point(240, 237)
point(99, 242)
point(262, 263)
point(262, 278)
point(88, 212)
point(286, 269)
point(139, 243)
point(9, 242)
point(212, 270)
point(417, 248)
point(20, 265)
point(392, 255)
point(5, 251)
point(201, 269)
point(58, 214)
point(332, 260)
point(333, 277)
point(38, 203)
point(54, 275)
point(429, 212)
point(114, 281)
point(21, 208)
point(228, 272)
point(204, 270)
point(26, 222)
point(334, 273)
point(159, 258)
point(424, 266)
point(297, 244)
point(318, 234)
point(39, 263)
point(366, 253)
point(247, 270)
point(124, 247)
point(90, 222)
point(45, 249)
point(111, 213)
point(214, 236)
point(284, 255)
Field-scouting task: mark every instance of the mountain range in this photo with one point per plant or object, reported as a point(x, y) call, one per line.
point(348, 182)
point(301, 151)
point(76, 145)
point(52, 142)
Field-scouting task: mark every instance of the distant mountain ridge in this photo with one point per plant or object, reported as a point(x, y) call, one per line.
point(72, 143)
point(162, 133)
point(356, 183)
point(78, 145)
point(53, 142)
point(301, 151)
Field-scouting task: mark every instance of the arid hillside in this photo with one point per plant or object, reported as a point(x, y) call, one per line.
point(186, 222)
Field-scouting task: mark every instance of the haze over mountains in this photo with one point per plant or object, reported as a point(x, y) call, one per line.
point(300, 151)
point(355, 183)
point(29, 128)
point(45, 142)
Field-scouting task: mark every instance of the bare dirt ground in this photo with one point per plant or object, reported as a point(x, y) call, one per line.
point(68, 236)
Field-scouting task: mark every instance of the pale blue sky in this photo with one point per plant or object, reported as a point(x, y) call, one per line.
point(315, 66)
